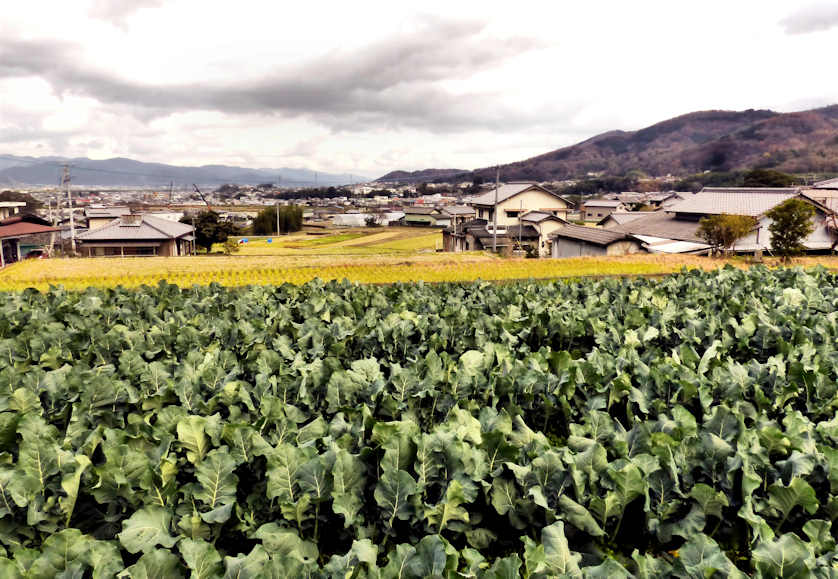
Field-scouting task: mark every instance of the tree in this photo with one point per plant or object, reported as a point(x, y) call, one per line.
point(231, 246)
point(791, 223)
point(290, 220)
point(209, 229)
point(767, 178)
point(722, 231)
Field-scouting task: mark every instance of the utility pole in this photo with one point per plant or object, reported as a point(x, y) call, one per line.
point(66, 181)
point(495, 212)
point(277, 216)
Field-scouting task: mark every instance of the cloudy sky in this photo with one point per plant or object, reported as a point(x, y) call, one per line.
point(367, 87)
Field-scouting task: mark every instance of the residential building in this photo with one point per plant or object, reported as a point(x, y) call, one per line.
point(580, 240)
point(9, 208)
point(597, 209)
point(13, 229)
point(512, 200)
point(138, 235)
point(425, 216)
point(526, 215)
point(101, 216)
point(680, 221)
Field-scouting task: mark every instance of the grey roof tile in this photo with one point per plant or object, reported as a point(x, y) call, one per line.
point(590, 234)
point(150, 229)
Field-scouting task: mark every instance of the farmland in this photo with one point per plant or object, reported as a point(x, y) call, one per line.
point(602, 428)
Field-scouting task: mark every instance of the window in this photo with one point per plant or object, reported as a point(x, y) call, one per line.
point(513, 213)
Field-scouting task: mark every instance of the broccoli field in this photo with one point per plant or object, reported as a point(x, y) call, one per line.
point(682, 427)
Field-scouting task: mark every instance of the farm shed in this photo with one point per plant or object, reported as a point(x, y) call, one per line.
point(578, 240)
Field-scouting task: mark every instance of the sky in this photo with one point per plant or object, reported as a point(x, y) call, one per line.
point(368, 87)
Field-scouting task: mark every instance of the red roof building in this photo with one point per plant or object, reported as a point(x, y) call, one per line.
point(13, 228)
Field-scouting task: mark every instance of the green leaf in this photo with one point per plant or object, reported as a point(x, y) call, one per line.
point(145, 529)
point(450, 508)
point(201, 558)
point(434, 557)
point(286, 543)
point(578, 516)
point(192, 436)
point(347, 486)
point(248, 566)
point(63, 552)
point(553, 556)
point(797, 493)
point(70, 484)
point(819, 533)
point(392, 494)
point(711, 501)
point(788, 557)
point(217, 484)
point(701, 557)
point(155, 564)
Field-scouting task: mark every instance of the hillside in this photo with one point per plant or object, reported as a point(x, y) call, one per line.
point(797, 142)
point(128, 172)
point(423, 175)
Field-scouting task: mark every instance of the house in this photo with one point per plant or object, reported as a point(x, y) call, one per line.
point(526, 213)
point(9, 208)
point(680, 222)
point(580, 240)
point(516, 198)
point(621, 218)
point(425, 216)
point(13, 229)
point(100, 216)
point(545, 224)
point(138, 235)
point(597, 209)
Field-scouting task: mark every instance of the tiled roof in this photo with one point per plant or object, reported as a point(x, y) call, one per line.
point(539, 216)
point(420, 210)
point(828, 184)
point(100, 212)
point(150, 229)
point(622, 217)
point(507, 190)
point(602, 203)
point(22, 225)
point(661, 224)
point(590, 234)
point(734, 200)
point(458, 210)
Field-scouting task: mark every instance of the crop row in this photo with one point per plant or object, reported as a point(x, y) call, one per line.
point(601, 428)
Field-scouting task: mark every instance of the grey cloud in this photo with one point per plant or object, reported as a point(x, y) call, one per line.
point(812, 18)
point(391, 83)
point(116, 11)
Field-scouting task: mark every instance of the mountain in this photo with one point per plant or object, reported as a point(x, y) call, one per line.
point(798, 142)
point(420, 176)
point(128, 172)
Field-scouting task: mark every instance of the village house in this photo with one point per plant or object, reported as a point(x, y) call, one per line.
point(597, 209)
point(425, 216)
point(15, 228)
point(660, 230)
point(9, 208)
point(580, 240)
point(138, 235)
point(510, 207)
point(101, 216)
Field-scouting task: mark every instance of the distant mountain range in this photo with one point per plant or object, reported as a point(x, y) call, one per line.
point(16, 171)
point(799, 142)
